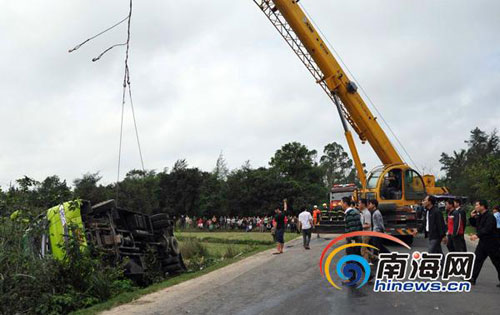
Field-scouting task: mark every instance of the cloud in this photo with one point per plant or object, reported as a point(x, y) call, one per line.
point(212, 76)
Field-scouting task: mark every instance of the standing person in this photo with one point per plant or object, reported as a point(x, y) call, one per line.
point(326, 212)
point(352, 218)
point(377, 225)
point(459, 239)
point(222, 222)
point(366, 222)
point(489, 245)
point(279, 224)
point(450, 210)
point(458, 231)
point(434, 225)
point(306, 224)
point(496, 214)
point(352, 224)
point(316, 218)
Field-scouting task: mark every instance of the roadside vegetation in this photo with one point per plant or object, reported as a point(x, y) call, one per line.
point(202, 254)
point(31, 284)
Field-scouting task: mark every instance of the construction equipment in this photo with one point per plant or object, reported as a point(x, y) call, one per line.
point(397, 187)
point(122, 236)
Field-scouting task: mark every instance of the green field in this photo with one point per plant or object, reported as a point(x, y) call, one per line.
point(229, 244)
point(237, 237)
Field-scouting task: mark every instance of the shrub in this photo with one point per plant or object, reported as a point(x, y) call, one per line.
point(193, 248)
point(32, 284)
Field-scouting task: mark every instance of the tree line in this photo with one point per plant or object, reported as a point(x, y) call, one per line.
point(474, 171)
point(294, 172)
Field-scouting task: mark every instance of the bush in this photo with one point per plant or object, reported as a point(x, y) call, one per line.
point(192, 247)
point(231, 251)
point(35, 285)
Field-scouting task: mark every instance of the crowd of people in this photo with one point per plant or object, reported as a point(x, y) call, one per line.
point(452, 231)
point(449, 229)
point(236, 223)
point(364, 215)
point(438, 229)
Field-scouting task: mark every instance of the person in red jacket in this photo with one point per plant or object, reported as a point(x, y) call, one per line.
point(456, 228)
point(459, 223)
point(450, 209)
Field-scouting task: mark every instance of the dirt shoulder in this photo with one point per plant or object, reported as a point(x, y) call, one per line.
point(184, 292)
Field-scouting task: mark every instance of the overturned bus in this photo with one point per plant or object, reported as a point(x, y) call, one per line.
point(123, 236)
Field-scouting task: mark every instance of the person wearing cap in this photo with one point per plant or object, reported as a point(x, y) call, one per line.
point(325, 211)
point(316, 218)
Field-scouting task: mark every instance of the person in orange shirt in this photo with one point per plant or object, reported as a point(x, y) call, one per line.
point(316, 218)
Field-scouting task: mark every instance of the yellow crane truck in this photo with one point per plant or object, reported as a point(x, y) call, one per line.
point(397, 187)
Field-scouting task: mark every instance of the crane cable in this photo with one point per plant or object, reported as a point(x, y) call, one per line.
point(361, 88)
point(126, 86)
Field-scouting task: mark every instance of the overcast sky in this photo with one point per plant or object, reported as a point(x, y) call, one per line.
point(213, 75)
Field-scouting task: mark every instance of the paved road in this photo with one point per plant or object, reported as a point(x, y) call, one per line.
point(292, 284)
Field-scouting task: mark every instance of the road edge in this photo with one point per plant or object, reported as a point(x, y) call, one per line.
point(132, 296)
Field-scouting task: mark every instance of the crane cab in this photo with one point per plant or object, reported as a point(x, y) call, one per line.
point(395, 184)
point(399, 189)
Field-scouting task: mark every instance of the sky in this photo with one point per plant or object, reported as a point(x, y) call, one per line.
point(212, 76)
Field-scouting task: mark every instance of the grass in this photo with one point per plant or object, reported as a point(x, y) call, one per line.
point(220, 250)
point(234, 237)
point(225, 247)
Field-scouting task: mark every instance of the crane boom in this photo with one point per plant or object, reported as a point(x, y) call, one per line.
point(292, 23)
point(396, 186)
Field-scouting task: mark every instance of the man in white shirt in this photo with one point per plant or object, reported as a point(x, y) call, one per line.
point(305, 224)
point(366, 221)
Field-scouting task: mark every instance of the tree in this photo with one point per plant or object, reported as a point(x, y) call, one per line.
point(179, 190)
point(180, 165)
point(87, 188)
point(138, 191)
point(337, 165)
point(472, 172)
point(294, 160)
point(481, 145)
point(487, 179)
point(52, 191)
point(213, 200)
point(298, 176)
point(221, 171)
